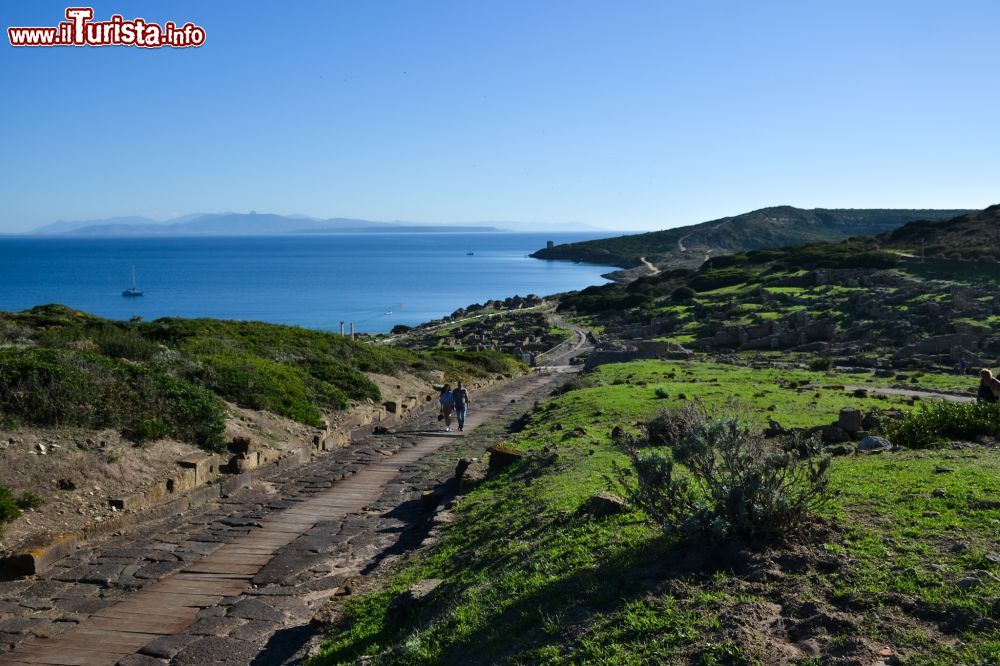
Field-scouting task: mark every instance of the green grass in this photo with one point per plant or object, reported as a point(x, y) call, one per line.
point(169, 377)
point(51, 387)
point(758, 389)
point(530, 579)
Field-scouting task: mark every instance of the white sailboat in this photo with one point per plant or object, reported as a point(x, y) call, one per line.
point(132, 291)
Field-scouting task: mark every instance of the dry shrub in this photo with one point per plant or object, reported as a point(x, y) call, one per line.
point(719, 478)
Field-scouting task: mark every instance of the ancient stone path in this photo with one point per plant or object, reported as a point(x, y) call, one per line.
point(913, 393)
point(215, 589)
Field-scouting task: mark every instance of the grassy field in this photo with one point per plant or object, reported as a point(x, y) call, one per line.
point(795, 398)
point(903, 559)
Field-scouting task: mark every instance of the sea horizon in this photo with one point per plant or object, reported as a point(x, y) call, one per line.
point(314, 280)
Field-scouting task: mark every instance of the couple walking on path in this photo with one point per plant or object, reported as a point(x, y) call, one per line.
point(456, 401)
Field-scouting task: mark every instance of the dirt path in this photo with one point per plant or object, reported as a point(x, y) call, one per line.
point(653, 270)
point(238, 581)
point(913, 393)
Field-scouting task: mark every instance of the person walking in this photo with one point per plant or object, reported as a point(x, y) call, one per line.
point(989, 387)
point(447, 402)
point(460, 396)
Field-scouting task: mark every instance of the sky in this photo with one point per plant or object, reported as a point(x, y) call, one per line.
point(619, 114)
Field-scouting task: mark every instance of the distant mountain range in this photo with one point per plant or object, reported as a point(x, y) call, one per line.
point(267, 224)
point(778, 226)
point(244, 224)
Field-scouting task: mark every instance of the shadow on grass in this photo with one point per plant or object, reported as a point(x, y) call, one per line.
point(623, 574)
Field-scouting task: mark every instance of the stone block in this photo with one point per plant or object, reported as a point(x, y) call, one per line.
point(156, 494)
point(850, 419)
point(183, 480)
point(233, 483)
point(133, 502)
point(36, 557)
point(834, 434)
point(503, 456)
point(241, 445)
point(206, 467)
point(336, 440)
point(204, 495)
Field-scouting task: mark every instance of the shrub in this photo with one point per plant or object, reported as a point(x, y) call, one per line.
point(148, 430)
point(661, 393)
point(54, 387)
point(672, 426)
point(821, 363)
point(29, 500)
point(734, 483)
point(933, 424)
point(253, 382)
point(724, 261)
point(8, 507)
point(681, 294)
point(716, 279)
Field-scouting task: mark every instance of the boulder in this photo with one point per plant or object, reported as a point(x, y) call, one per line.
point(604, 504)
point(850, 419)
point(430, 499)
point(871, 421)
point(412, 598)
point(460, 469)
point(503, 456)
point(834, 434)
point(873, 444)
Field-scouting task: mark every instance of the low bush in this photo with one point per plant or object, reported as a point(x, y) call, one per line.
point(51, 387)
point(820, 363)
point(672, 426)
point(253, 382)
point(723, 480)
point(716, 279)
point(165, 378)
point(933, 424)
point(8, 507)
point(681, 294)
point(29, 500)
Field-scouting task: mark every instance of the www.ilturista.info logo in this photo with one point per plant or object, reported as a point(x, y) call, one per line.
point(80, 30)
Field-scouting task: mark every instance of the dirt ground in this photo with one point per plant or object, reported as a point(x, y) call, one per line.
point(76, 471)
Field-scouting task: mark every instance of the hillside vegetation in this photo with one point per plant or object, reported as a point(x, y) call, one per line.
point(855, 301)
point(974, 236)
point(686, 247)
point(173, 377)
point(900, 565)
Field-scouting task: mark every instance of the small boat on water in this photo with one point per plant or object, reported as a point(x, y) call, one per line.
point(132, 291)
point(469, 253)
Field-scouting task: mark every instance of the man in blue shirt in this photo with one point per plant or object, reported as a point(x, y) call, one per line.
point(462, 402)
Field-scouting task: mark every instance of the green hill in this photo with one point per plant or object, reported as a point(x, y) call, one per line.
point(768, 227)
point(971, 236)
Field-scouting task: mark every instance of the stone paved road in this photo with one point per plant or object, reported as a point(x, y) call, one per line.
point(238, 581)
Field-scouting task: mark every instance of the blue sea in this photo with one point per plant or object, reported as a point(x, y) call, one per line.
point(374, 280)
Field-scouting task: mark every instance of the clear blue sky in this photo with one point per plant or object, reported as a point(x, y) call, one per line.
point(620, 114)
